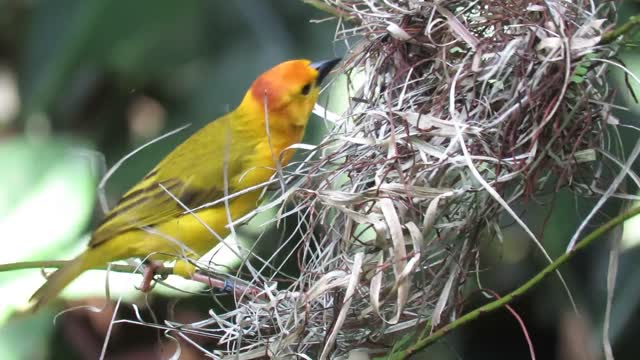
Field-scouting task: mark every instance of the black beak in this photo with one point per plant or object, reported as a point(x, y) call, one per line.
point(324, 67)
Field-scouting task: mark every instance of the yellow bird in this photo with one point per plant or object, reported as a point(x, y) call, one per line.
point(232, 153)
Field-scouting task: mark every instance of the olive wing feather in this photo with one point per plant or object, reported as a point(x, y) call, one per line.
point(190, 176)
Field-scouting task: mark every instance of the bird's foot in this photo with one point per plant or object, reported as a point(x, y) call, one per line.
point(149, 273)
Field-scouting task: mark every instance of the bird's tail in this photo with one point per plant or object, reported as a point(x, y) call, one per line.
point(57, 281)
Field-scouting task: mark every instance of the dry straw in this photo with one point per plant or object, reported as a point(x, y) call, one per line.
point(458, 110)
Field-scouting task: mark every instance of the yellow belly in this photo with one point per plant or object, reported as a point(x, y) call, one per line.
point(190, 235)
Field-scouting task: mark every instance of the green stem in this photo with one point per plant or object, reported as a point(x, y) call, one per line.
point(499, 303)
point(614, 34)
point(58, 264)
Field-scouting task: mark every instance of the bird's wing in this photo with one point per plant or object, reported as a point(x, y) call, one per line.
point(193, 173)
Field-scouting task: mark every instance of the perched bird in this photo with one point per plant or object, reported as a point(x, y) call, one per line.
point(237, 151)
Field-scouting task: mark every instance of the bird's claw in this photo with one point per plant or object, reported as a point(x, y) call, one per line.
point(148, 275)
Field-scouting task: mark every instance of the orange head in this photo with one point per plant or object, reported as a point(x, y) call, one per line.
point(288, 90)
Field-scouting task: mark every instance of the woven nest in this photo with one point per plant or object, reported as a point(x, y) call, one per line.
point(458, 110)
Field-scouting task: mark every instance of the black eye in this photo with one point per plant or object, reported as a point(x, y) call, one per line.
point(305, 89)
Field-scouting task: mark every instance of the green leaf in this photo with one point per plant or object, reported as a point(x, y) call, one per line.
point(581, 70)
point(46, 200)
point(577, 79)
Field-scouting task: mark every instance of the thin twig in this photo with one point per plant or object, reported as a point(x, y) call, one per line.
point(56, 264)
point(322, 6)
point(219, 282)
